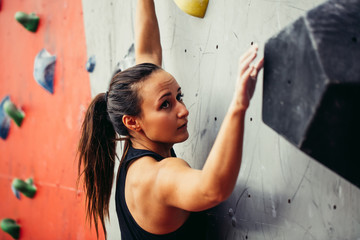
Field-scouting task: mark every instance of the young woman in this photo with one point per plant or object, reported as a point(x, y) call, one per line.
point(158, 196)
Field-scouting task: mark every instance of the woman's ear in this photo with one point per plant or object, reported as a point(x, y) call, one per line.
point(131, 123)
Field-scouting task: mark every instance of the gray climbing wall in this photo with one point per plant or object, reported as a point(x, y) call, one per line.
point(281, 193)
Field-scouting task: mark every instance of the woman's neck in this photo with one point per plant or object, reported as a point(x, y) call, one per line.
point(163, 149)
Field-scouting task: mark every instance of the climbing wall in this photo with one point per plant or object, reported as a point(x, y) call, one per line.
point(281, 193)
point(44, 146)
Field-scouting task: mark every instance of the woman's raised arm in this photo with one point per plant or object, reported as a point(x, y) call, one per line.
point(196, 190)
point(147, 34)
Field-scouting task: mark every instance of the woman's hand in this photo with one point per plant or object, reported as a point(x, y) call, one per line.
point(247, 76)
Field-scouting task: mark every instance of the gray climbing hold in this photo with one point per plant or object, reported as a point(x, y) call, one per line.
point(311, 90)
point(128, 60)
point(233, 221)
point(4, 120)
point(44, 68)
point(231, 212)
point(90, 64)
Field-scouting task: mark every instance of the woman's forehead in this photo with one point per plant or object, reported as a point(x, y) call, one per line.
point(158, 82)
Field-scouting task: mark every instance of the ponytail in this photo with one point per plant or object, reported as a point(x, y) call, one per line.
point(97, 152)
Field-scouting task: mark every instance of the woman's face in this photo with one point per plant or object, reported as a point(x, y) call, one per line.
point(163, 115)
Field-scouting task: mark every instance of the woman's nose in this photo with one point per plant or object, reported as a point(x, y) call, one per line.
point(183, 112)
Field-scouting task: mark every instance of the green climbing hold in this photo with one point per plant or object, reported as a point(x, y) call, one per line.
point(9, 226)
point(13, 112)
point(29, 21)
point(25, 187)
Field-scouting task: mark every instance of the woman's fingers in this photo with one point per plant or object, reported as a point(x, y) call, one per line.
point(257, 67)
point(246, 59)
point(248, 52)
point(259, 64)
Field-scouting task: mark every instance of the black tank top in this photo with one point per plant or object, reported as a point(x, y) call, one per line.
point(193, 228)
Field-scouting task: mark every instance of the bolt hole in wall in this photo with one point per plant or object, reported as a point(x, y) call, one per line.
point(217, 46)
point(289, 201)
point(250, 119)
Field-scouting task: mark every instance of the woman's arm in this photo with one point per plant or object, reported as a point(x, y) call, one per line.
point(196, 190)
point(147, 35)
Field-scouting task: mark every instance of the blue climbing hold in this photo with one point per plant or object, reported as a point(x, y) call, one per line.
point(90, 64)
point(44, 68)
point(16, 192)
point(4, 120)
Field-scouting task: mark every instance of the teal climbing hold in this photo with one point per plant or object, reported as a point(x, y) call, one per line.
point(44, 68)
point(13, 112)
point(4, 120)
point(10, 226)
point(25, 187)
point(29, 21)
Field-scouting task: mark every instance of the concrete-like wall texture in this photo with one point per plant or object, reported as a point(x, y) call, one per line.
point(281, 193)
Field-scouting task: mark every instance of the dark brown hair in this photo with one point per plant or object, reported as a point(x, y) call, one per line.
point(97, 145)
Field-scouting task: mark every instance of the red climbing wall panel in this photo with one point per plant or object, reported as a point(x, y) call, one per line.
point(44, 147)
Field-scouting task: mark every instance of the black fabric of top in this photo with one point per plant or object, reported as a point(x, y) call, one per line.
point(193, 228)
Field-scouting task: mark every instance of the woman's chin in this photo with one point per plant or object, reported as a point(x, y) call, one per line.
point(184, 137)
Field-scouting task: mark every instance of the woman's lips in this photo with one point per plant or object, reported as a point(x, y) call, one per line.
point(183, 126)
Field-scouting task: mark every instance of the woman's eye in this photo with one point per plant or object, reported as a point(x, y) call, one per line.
point(179, 97)
point(165, 104)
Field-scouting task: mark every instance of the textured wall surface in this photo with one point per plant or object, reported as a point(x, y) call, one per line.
point(44, 146)
point(281, 193)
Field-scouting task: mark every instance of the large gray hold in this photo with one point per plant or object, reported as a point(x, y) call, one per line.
point(311, 92)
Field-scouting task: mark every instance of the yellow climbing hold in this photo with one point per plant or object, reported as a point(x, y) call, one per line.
point(196, 8)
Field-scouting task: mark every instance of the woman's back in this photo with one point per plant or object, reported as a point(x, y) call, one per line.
point(143, 209)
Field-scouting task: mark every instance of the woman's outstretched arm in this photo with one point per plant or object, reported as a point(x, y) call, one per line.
point(147, 34)
point(196, 190)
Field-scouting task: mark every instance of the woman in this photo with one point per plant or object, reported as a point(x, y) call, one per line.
point(158, 196)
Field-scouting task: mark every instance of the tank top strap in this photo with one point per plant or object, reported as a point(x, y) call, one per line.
point(134, 153)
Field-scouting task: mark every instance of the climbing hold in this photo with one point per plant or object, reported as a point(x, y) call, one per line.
point(44, 68)
point(311, 90)
point(4, 120)
point(29, 21)
point(128, 60)
point(16, 192)
point(90, 64)
point(233, 221)
point(196, 8)
point(9, 226)
point(25, 187)
point(13, 112)
point(231, 212)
